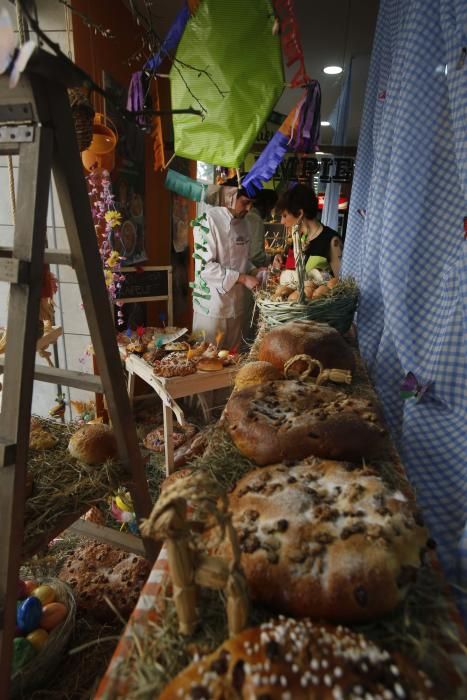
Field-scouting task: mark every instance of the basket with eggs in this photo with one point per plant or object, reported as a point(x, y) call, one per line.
point(312, 297)
point(45, 617)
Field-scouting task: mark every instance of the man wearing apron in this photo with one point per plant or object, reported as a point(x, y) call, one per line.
point(227, 271)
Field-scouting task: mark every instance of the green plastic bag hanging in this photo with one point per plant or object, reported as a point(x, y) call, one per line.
point(233, 41)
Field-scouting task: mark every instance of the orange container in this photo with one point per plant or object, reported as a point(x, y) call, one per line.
point(101, 153)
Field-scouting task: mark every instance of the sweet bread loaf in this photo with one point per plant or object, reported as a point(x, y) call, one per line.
point(320, 341)
point(93, 444)
point(298, 660)
point(326, 540)
point(291, 420)
point(209, 364)
point(256, 373)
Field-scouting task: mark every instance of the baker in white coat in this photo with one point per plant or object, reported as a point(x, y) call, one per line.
point(227, 270)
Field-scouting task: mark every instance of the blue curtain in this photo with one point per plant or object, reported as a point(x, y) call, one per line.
point(405, 245)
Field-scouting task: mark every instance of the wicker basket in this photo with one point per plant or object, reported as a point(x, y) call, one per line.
point(83, 117)
point(36, 672)
point(337, 309)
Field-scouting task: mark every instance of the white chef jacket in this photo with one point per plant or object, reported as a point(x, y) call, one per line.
point(227, 256)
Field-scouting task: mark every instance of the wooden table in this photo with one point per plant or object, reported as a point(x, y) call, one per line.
point(173, 388)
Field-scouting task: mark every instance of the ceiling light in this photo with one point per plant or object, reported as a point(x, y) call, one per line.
point(325, 123)
point(332, 70)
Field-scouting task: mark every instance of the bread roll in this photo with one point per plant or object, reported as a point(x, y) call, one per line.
point(256, 373)
point(326, 539)
point(318, 340)
point(290, 660)
point(291, 420)
point(93, 444)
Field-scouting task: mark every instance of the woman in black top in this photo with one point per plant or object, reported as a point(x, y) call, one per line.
point(300, 205)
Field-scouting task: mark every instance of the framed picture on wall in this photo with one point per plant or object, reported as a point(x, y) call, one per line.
point(127, 178)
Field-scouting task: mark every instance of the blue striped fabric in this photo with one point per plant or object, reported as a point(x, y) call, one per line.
point(405, 245)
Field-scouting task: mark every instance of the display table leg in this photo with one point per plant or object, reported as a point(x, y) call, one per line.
point(131, 385)
point(204, 407)
point(168, 438)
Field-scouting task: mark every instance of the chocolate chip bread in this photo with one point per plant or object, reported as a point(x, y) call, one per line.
point(326, 540)
point(281, 420)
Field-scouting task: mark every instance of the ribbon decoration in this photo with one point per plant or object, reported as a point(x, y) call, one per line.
point(171, 40)
point(299, 132)
point(291, 42)
point(135, 100)
point(412, 388)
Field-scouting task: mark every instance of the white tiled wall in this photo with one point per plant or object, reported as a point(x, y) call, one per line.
point(70, 351)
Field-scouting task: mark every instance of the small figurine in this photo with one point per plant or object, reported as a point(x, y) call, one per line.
point(58, 410)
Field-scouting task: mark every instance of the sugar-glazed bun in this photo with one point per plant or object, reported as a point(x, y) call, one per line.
point(290, 660)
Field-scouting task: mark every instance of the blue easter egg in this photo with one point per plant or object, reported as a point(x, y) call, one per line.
point(28, 614)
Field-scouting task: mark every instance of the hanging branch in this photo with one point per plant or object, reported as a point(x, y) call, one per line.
point(97, 28)
point(77, 72)
point(155, 43)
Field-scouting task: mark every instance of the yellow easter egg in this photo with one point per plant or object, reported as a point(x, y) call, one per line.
point(38, 638)
point(52, 615)
point(45, 593)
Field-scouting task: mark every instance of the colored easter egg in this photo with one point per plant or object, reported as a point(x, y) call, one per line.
point(52, 615)
point(45, 593)
point(23, 652)
point(28, 614)
point(38, 638)
point(30, 585)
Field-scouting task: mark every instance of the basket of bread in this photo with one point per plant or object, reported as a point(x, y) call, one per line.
point(306, 293)
point(45, 619)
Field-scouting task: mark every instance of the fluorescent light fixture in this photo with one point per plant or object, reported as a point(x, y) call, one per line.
point(325, 123)
point(332, 70)
point(319, 153)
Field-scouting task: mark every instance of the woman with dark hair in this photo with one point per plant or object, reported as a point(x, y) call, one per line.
point(299, 205)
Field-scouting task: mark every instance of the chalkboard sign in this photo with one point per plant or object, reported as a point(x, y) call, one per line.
point(145, 284)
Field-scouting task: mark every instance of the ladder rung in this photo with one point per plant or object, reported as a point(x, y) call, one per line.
point(68, 377)
point(14, 271)
point(52, 256)
point(7, 452)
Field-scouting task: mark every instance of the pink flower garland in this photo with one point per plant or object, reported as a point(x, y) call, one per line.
point(107, 221)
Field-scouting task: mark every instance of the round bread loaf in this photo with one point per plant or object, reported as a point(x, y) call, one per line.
point(96, 570)
point(318, 340)
point(209, 364)
point(93, 444)
point(281, 420)
point(155, 440)
point(256, 373)
point(326, 540)
point(298, 660)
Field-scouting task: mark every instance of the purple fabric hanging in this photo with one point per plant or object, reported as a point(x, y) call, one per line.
point(135, 100)
point(267, 163)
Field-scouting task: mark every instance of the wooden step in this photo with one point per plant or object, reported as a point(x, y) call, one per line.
point(67, 377)
point(52, 256)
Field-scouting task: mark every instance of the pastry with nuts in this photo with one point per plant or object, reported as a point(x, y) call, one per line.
point(326, 539)
point(299, 660)
point(280, 420)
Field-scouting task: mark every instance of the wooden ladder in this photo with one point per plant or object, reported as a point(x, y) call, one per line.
point(36, 125)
